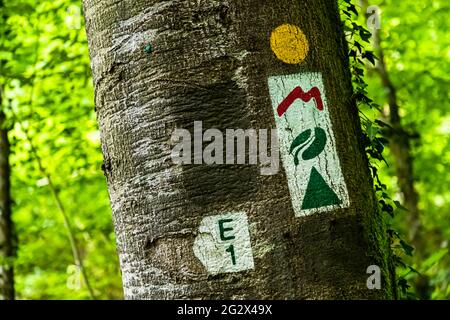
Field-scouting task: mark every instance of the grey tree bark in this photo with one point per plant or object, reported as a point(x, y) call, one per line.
point(161, 65)
point(6, 233)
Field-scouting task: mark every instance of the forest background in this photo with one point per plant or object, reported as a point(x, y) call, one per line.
point(58, 189)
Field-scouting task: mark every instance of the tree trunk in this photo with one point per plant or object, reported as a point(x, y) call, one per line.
point(6, 246)
point(161, 65)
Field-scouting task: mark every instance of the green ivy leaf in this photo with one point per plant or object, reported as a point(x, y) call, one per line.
point(365, 35)
point(369, 56)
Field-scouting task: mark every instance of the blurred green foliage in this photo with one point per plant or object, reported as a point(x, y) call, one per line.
point(416, 45)
point(44, 68)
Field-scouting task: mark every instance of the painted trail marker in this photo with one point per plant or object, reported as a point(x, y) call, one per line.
point(223, 243)
point(307, 143)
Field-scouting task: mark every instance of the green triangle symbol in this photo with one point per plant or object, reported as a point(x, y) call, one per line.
point(318, 193)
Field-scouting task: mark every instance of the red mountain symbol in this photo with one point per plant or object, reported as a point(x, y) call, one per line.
point(298, 93)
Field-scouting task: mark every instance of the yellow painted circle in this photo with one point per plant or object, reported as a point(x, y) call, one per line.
point(289, 44)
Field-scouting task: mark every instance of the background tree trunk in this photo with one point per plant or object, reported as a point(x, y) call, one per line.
point(209, 61)
point(6, 245)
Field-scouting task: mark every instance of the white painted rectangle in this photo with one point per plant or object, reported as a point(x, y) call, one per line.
point(327, 190)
